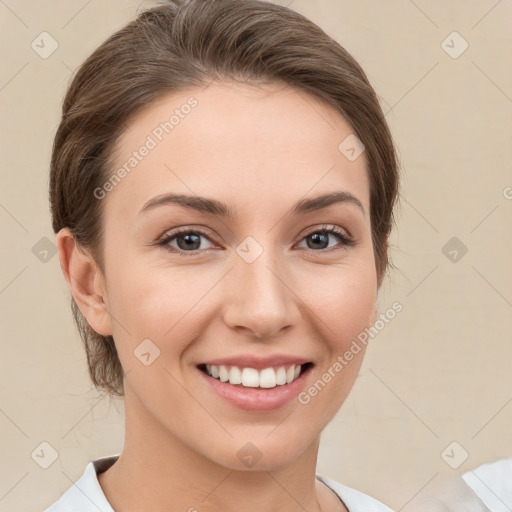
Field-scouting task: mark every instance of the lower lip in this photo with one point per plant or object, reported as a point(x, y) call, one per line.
point(257, 399)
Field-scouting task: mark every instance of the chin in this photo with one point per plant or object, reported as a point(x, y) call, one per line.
point(261, 453)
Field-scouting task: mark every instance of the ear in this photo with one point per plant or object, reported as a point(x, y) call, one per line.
point(86, 282)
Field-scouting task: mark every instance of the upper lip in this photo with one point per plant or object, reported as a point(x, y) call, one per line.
point(258, 363)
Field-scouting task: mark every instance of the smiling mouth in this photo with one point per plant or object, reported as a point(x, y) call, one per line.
point(251, 378)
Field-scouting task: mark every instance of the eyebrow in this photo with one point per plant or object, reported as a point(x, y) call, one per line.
point(214, 207)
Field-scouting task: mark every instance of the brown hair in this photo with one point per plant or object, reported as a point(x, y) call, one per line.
point(184, 43)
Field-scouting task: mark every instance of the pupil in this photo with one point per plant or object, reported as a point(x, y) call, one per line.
point(191, 239)
point(319, 238)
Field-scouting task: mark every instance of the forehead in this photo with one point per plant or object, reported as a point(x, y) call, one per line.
point(232, 141)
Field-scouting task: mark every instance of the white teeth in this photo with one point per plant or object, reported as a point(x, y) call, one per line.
point(290, 374)
point(268, 378)
point(252, 378)
point(223, 373)
point(235, 375)
point(281, 376)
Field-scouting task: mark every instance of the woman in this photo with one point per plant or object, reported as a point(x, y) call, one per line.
point(222, 189)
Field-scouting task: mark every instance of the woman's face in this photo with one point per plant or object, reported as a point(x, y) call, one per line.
point(250, 282)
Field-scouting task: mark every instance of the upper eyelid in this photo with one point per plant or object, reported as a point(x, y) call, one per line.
point(184, 229)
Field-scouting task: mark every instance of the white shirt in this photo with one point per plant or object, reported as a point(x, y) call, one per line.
point(86, 494)
point(492, 483)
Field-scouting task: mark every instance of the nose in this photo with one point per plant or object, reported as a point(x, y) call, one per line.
point(261, 299)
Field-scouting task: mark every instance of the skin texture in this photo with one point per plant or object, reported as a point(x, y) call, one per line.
point(259, 149)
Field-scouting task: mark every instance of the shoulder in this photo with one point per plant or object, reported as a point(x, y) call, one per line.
point(86, 494)
point(355, 500)
point(492, 482)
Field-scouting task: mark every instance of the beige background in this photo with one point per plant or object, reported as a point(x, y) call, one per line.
point(438, 373)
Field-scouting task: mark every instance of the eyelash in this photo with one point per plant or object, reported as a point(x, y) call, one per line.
point(346, 241)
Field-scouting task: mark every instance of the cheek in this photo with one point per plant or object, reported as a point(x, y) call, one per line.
point(344, 302)
point(343, 305)
point(156, 303)
point(356, 301)
point(170, 305)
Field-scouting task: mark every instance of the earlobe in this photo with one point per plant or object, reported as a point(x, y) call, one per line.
point(85, 281)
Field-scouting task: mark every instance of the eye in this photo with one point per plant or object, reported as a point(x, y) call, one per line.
point(319, 239)
point(187, 240)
